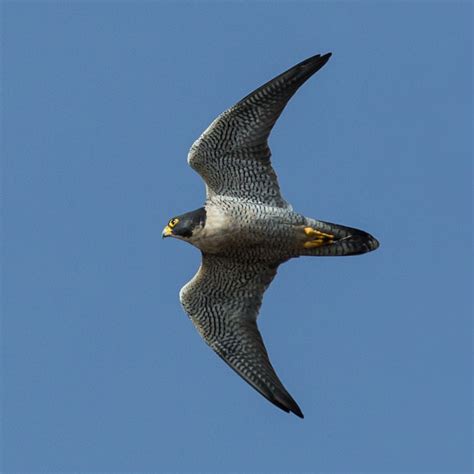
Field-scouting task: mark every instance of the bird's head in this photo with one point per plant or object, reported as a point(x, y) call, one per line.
point(186, 226)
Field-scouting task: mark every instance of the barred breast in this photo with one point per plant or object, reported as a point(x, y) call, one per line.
point(234, 224)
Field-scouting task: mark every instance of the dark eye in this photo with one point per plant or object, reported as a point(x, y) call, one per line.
point(173, 222)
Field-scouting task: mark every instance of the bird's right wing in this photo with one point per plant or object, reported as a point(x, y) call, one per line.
point(233, 156)
point(223, 300)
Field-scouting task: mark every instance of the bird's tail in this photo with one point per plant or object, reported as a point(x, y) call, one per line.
point(324, 239)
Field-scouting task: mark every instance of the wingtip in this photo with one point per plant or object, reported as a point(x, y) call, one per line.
point(313, 64)
point(317, 58)
point(325, 57)
point(297, 410)
point(287, 403)
point(294, 408)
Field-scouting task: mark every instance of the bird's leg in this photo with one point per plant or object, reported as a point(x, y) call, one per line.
point(316, 238)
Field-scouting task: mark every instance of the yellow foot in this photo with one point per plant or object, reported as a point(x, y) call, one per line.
point(316, 238)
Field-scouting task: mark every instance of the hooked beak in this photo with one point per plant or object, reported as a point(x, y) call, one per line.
point(166, 232)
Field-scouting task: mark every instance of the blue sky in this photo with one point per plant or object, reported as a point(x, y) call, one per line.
point(102, 370)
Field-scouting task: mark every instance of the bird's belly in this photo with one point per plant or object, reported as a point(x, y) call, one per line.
point(242, 228)
point(222, 235)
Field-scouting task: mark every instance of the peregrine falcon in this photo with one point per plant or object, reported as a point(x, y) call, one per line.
point(246, 230)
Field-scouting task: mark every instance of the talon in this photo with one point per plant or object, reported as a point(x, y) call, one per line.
point(310, 232)
point(318, 238)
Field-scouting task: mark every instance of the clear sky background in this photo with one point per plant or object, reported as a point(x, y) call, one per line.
point(102, 370)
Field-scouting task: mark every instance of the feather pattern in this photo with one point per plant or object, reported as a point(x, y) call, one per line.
point(233, 156)
point(223, 300)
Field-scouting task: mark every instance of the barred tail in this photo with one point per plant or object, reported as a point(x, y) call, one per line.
point(331, 240)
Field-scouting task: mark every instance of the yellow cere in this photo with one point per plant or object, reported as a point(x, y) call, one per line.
point(173, 222)
point(167, 231)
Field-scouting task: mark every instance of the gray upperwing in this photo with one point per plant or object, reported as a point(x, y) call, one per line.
point(223, 300)
point(233, 156)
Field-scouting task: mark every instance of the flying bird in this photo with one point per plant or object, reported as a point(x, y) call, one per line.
point(246, 230)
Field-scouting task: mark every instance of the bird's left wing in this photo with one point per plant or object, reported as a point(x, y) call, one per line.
point(233, 156)
point(223, 300)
